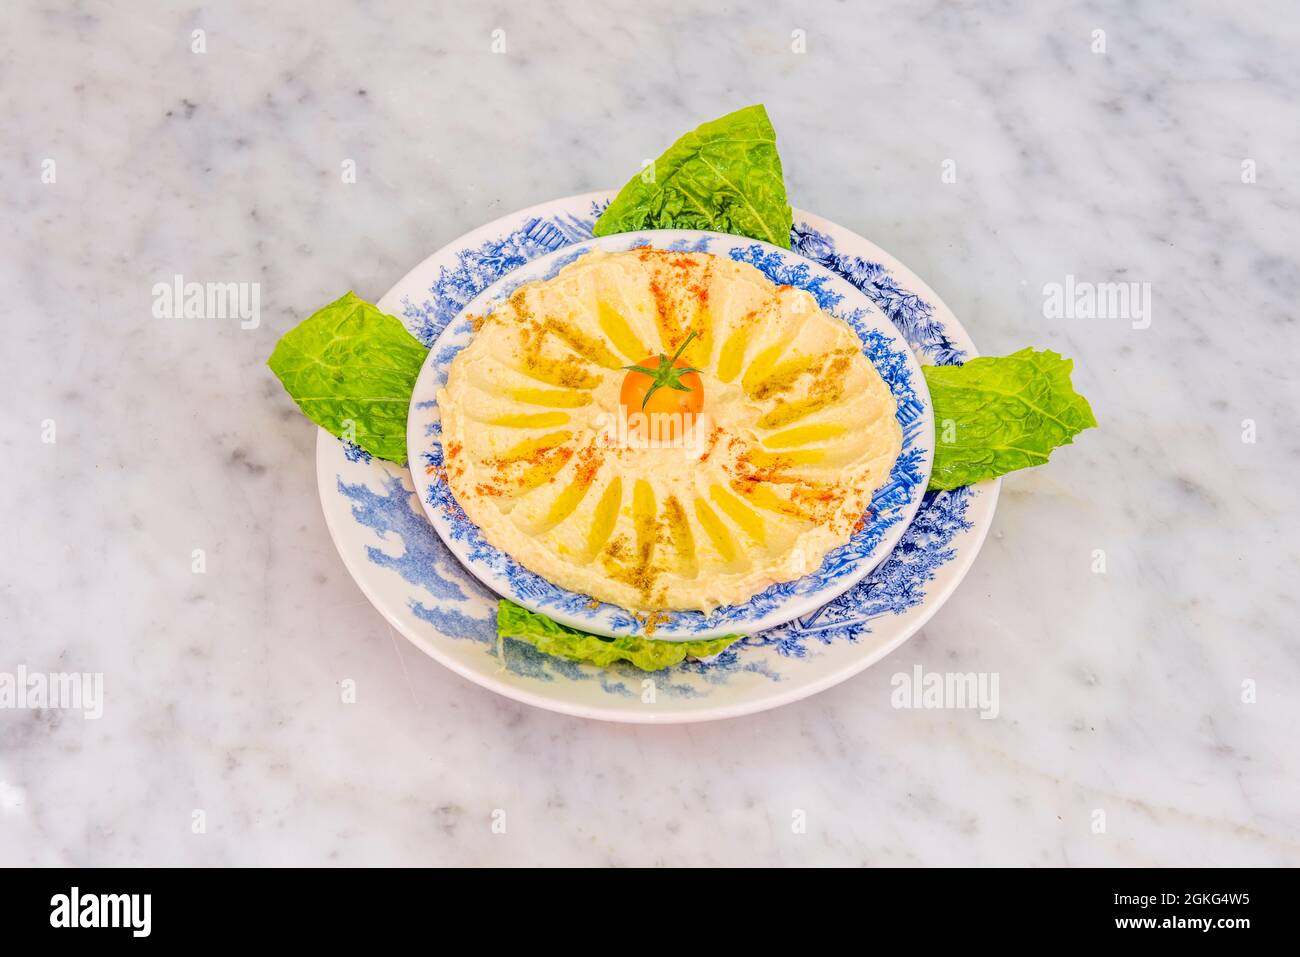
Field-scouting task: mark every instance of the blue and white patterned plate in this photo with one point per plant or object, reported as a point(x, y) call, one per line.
point(892, 507)
point(403, 567)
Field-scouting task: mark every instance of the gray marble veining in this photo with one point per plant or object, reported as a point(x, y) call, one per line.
point(995, 150)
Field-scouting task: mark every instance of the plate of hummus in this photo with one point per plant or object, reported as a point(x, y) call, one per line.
point(378, 513)
point(671, 433)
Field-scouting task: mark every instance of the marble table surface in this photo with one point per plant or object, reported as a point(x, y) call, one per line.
point(1136, 597)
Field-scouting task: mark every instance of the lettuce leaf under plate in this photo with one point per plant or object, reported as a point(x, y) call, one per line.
point(552, 638)
point(723, 176)
point(997, 414)
point(352, 369)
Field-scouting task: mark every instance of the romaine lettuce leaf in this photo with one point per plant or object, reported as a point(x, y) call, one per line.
point(351, 369)
point(552, 638)
point(994, 415)
point(723, 176)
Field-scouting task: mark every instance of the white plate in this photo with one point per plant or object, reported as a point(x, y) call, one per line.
point(403, 567)
point(892, 507)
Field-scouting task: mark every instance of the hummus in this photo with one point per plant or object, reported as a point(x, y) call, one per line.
point(794, 431)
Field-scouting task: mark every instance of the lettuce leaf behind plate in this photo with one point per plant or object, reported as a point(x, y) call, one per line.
point(552, 638)
point(723, 176)
point(351, 369)
point(996, 414)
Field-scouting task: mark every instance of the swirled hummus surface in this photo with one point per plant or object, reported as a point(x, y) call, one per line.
point(794, 431)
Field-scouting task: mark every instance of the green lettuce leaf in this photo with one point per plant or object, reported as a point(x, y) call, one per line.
point(724, 176)
point(552, 638)
point(351, 369)
point(994, 415)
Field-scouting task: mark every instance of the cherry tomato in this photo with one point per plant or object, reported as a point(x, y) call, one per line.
point(667, 411)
